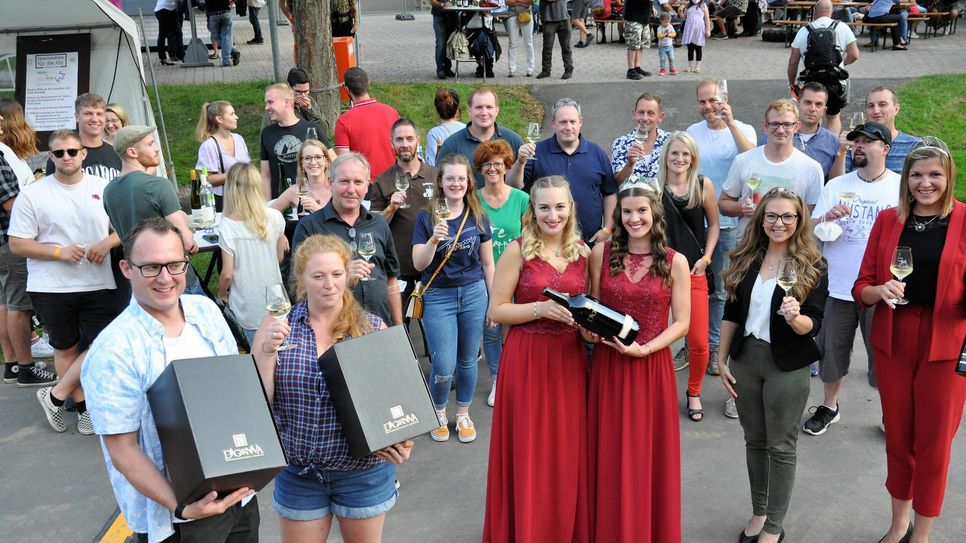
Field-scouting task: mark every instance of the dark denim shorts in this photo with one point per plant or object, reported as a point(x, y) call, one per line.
point(346, 494)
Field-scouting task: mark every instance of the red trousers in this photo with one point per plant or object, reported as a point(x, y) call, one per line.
point(698, 334)
point(922, 406)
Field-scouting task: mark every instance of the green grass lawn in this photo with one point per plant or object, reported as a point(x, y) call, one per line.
point(935, 105)
point(182, 108)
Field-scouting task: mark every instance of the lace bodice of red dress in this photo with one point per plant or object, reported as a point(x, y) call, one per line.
point(648, 300)
point(537, 274)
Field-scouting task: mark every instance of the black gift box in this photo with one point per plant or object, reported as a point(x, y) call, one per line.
point(215, 426)
point(379, 392)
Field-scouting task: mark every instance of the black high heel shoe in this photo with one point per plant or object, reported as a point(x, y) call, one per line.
point(906, 538)
point(742, 538)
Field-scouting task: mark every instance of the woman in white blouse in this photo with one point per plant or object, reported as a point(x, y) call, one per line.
point(220, 147)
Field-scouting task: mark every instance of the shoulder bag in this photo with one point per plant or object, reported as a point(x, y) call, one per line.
point(414, 310)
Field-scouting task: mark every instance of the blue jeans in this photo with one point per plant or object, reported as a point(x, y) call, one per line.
point(453, 318)
point(305, 494)
point(716, 303)
point(219, 24)
point(441, 27)
point(493, 347)
point(665, 54)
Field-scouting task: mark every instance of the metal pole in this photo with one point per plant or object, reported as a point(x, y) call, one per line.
point(405, 15)
point(356, 40)
point(273, 37)
point(172, 175)
point(196, 54)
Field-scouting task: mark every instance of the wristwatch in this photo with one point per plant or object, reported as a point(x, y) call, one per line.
point(179, 512)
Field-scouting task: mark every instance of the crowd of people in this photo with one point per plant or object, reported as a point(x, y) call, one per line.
point(764, 254)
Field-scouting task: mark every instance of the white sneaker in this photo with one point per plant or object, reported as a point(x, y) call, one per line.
point(41, 349)
point(84, 424)
point(730, 409)
point(491, 399)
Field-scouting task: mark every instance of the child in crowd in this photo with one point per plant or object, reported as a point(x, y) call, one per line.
point(697, 27)
point(665, 44)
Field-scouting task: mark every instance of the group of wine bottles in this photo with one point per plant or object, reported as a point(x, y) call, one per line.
point(202, 200)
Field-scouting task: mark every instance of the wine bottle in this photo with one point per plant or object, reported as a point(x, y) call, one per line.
point(597, 317)
point(961, 365)
point(195, 194)
point(207, 197)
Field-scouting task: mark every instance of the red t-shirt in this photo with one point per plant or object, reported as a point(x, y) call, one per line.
point(367, 128)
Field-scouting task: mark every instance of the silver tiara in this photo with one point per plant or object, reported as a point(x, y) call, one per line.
point(638, 182)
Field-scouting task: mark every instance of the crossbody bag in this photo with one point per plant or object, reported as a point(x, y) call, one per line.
point(414, 310)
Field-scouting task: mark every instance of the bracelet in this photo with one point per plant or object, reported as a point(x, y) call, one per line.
point(843, 153)
point(607, 230)
point(57, 251)
point(535, 316)
point(706, 258)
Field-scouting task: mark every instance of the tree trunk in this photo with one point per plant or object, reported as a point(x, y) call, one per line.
point(313, 36)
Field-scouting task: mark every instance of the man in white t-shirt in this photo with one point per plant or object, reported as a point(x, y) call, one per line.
point(59, 224)
point(817, 66)
point(776, 163)
point(853, 200)
point(720, 137)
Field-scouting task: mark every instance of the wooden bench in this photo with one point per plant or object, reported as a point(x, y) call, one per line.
point(934, 18)
point(602, 25)
point(873, 32)
point(789, 25)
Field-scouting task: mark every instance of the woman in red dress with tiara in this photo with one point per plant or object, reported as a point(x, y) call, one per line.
point(634, 441)
point(537, 479)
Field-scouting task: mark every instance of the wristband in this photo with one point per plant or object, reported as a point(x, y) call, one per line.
point(607, 230)
point(179, 512)
point(706, 258)
point(57, 251)
point(843, 153)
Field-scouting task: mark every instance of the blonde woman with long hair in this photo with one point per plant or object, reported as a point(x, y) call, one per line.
point(221, 148)
point(115, 118)
point(769, 338)
point(533, 491)
point(252, 241)
point(322, 479)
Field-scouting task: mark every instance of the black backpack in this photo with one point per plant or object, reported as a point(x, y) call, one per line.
point(821, 54)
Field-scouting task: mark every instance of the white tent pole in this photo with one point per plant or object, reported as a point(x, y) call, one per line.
point(172, 175)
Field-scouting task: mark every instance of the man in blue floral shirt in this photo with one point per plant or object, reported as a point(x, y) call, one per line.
point(629, 157)
point(160, 325)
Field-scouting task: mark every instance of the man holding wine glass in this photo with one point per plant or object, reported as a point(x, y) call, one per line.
point(372, 278)
point(639, 151)
point(583, 163)
point(400, 192)
point(855, 201)
point(483, 107)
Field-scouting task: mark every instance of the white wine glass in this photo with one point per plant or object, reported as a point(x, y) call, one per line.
point(303, 192)
point(787, 276)
point(640, 135)
point(721, 95)
point(367, 248)
point(753, 182)
point(441, 210)
point(402, 185)
point(83, 245)
point(901, 267)
point(278, 306)
point(857, 118)
point(533, 135)
point(847, 198)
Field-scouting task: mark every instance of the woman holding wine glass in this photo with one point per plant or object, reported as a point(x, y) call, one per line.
point(632, 405)
point(776, 287)
point(505, 207)
point(252, 241)
point(533, 492)
point(220, 147)
point(690, 203)
point(312, 190)
point(455, 255)
point(917, 343)
point(322, 479)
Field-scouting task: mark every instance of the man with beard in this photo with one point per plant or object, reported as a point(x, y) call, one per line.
point(854, 200)
point(400, 207)
point(881, 106)
point(280, 141)
point(484, 107)
point(136, 195)
point(59, 225)
point(101, 160)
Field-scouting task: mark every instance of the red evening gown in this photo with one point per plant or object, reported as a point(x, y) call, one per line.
point(537, 479)
point(634, 442)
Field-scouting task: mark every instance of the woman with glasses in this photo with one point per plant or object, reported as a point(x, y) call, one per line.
point(534, 490)
point(634, 450)
point(220, 147)
point(504, 206)
point(917, 333)
point(453, 251)
point(313, 161)
point(252, 242)
point(768, 333)
point(690, 203)
point(115, 118)
point(322, 479)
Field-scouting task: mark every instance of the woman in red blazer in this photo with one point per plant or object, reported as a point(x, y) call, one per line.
point(916, 345)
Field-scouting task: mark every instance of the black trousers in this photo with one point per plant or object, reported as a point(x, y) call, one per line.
point(170, 39)
point(236, 525)
point(562, 31)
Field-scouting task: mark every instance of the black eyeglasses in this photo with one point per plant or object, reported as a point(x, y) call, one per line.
point(776, 125)
point(153, 270)
point(59, 153)
point(787, 218)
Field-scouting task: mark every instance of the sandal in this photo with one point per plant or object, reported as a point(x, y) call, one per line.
point(696, 415)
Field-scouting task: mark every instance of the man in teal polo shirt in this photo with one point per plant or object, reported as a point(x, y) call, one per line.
point(584, 163)
point(484, 108)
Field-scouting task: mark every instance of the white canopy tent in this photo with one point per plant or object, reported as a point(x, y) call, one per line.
point(116, 67)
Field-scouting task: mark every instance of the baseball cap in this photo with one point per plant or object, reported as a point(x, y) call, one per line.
point(871, 130)
point(126, 137)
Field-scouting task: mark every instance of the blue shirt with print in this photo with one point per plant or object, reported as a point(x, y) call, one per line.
point(464, 265)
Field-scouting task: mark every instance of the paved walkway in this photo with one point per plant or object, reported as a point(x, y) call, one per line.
point(392, 50)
